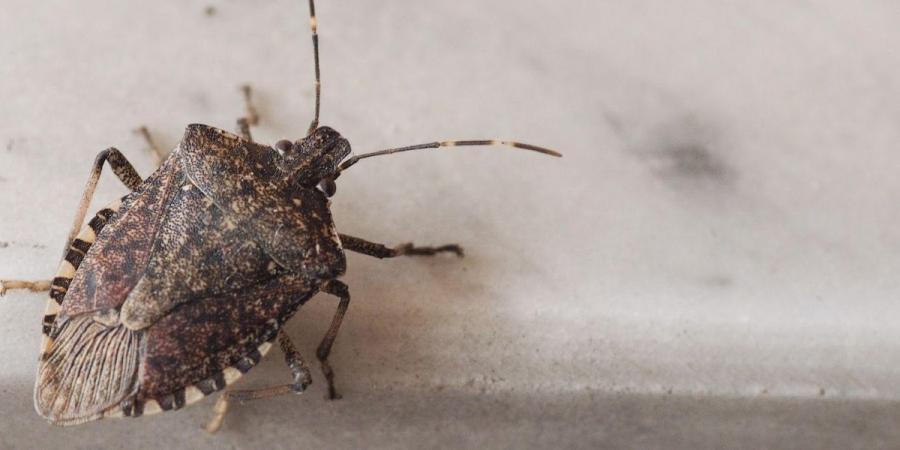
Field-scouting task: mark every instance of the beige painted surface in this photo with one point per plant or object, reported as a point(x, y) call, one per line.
point(712, 262)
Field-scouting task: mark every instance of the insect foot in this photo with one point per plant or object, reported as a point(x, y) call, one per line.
point(299, 369)
point(411, 250)
point(302, 378)
point(219, 410)
point(380, 251)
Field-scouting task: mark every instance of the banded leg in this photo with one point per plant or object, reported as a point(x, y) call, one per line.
point(123, 170)
point(301, 380)
point(380, 251)
point(129, 177)
point(251, 117)
point(340, 290)
point(33, 286)
point(158, 154)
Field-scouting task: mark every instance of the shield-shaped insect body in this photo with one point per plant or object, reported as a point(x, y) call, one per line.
point(182, 285)
point(174, 291)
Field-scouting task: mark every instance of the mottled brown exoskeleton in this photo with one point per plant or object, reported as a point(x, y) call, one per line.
point(180, 287)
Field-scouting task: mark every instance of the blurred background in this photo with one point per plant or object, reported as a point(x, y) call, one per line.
point(711, 264)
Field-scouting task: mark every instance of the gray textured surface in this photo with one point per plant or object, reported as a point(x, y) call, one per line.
point(721, 228)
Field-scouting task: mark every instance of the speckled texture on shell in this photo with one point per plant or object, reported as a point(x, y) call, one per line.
point(116, 261)
point(188, 264)
point(201, 338)
point(201, 264)
point(289, 220)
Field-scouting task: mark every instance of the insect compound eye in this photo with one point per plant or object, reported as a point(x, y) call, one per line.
point(283, 146)
point(327, 186)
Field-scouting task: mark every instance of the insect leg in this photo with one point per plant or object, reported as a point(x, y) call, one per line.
point(221, 406)
point(340, 290)
point(299, 369)
point(33, 286)
point(380, 251)
point(123, 170)
point(301, 377)
point(251, 117)
point(158, 154)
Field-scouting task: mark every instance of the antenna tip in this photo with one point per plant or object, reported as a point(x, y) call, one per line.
point(535, 148)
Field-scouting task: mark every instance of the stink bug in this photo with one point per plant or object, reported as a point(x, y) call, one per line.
point(180, 287)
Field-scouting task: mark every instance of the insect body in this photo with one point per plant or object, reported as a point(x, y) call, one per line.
point(173, 292)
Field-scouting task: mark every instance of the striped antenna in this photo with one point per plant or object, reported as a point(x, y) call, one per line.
point(354, 159)
point(313, 25)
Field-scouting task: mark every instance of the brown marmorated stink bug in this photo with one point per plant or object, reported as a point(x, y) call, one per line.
point(174, 291)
